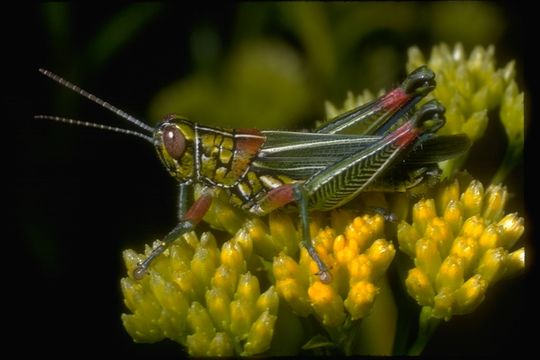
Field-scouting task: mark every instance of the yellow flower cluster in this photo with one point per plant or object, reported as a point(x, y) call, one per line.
point(461, 243)
point(201, 297)
point(469, 87)
point(357, 258)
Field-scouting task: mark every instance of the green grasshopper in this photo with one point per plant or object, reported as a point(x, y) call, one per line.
point(383, 145)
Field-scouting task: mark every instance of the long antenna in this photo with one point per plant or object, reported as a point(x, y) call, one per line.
point(94, 125)
point(97, 100)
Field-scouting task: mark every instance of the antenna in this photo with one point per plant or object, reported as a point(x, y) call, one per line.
point(94, 125)
point(97, 100)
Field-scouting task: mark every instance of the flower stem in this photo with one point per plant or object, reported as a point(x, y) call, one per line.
point(426, 328)
point(511, 157)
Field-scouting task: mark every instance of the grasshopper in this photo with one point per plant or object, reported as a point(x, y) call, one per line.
point(383, 145)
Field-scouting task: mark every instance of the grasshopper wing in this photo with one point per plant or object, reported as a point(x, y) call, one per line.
point(437, 148)
point(300, 155)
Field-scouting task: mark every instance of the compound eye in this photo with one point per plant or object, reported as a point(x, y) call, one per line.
point(174, 141)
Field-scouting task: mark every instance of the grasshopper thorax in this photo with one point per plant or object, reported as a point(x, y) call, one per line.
point(174, 140)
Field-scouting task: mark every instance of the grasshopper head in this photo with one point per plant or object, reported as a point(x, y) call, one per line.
point(174, 142)
point(420, 82)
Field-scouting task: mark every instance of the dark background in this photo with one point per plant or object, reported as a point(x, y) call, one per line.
point(82, 196)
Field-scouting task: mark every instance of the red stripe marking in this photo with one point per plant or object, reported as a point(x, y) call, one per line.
point(404, 135)
point(246, 148)
point(395, 98)
point(198, 209)
point(280, 196)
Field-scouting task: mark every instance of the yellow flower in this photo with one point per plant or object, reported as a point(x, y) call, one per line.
point(201, 297)
point(357, 259)
point(461, 248)
point(469, 87)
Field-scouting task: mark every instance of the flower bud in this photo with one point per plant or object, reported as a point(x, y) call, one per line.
point(198, 344)
point(221, 214)
point(443, 304)
point(242, 316)
point(284, 234)
point(133, 294)
point(453, 215)
point(221, 345)
point(470, 295)
point(423, 213)
point(327, 304)
point(359, 233)
point(492, 265)
point(180, 255)
point(512, 229)
point(188, 283)
point(260, 334)
point(360, 268)
point(360, 299)
point(285, 267)
point(199, 321)
point(450, 275)
point(375, 223)
point(380, 254)
point(512, 114)
point(268, 301)
point(479, 103)
point(232, 256)
point(495, 200)
point(244, 240)
point(262, 241)
point(203, 264)
point(473, 227)
point(131, 259)
point(217, 303)
point(428, 258)
point(472, 198)
point(167, 294)
point(419, 287)
point(467, 249)
point(295, 295)
point(225, 278)
point(407, 237)
point(141, 329)
point(440, 231)
point(515, 261)
point(446, 194)
point(495, 89)
point(490, 238)
point(342, 251)
point(248, 288)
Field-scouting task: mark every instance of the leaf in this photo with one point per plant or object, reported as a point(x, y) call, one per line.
point(318, 341)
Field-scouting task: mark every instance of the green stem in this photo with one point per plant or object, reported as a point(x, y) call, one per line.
point(511, 157)
point(407, 309)
point(375, 334)
point(345, 337)
point(426, 328)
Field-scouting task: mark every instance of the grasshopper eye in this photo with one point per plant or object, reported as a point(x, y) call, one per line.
point(174, 141)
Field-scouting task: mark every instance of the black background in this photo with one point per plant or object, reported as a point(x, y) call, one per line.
point(81, 196)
